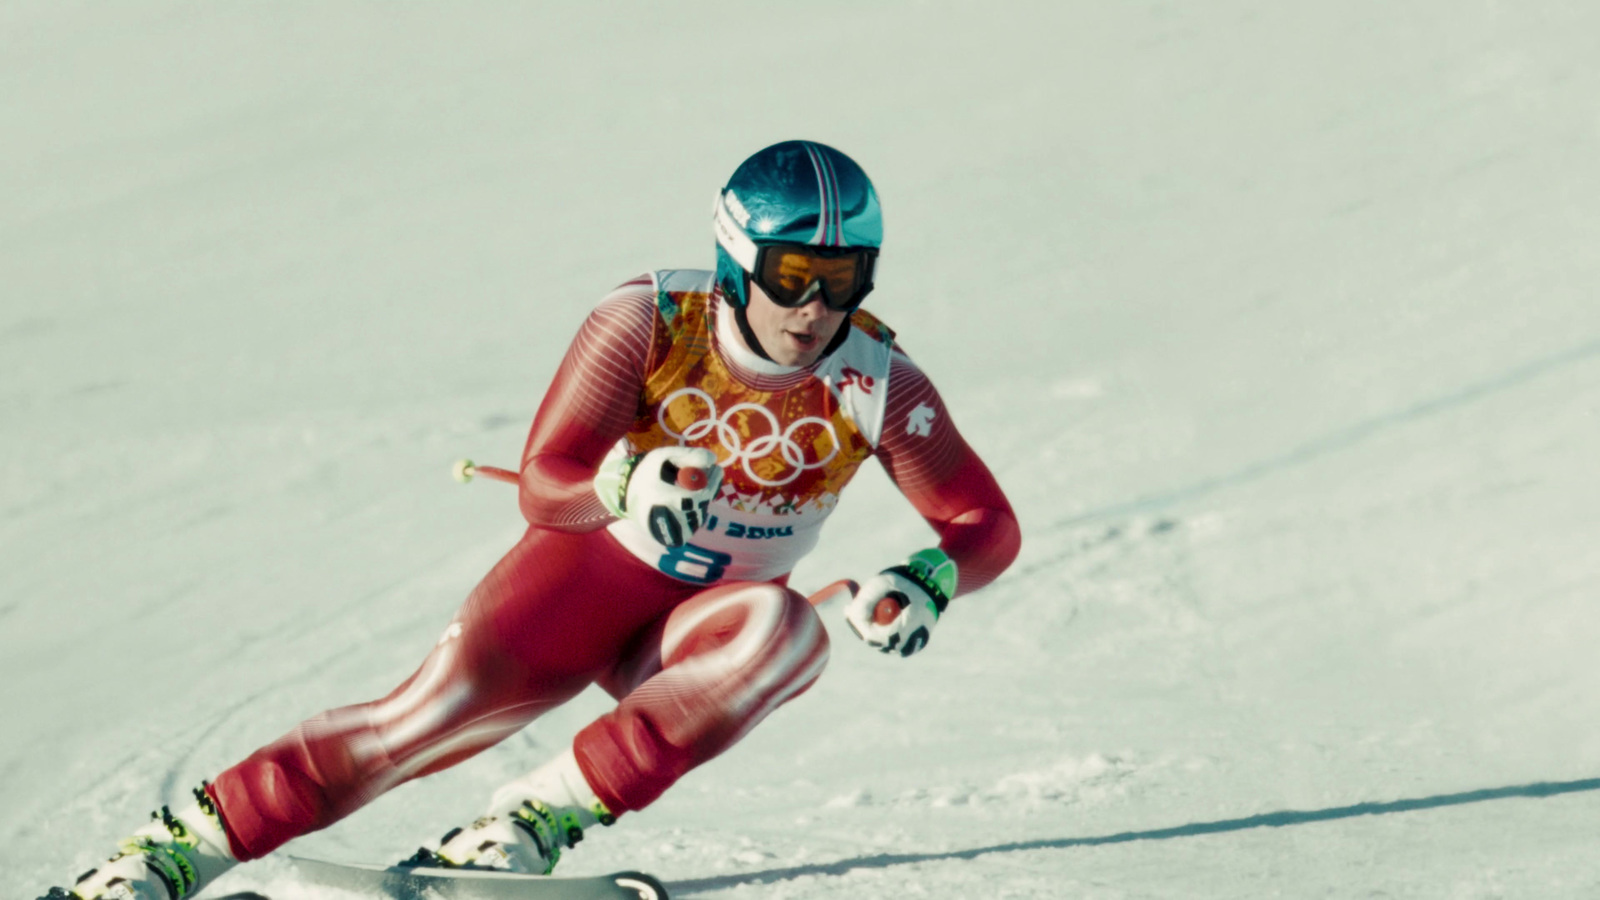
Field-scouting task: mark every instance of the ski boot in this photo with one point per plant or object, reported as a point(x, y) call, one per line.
point(530, 821)
point(170, 858)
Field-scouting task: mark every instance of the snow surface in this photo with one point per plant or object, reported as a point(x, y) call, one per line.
point(1277, 321)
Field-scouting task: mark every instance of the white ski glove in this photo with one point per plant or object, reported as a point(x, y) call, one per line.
point(896, 609)
point(666, 491)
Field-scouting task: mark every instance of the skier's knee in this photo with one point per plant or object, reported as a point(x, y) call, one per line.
point(784, 636)
point(746, 625)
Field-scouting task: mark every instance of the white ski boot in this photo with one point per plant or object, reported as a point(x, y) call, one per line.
point(169, 859)
point(529, 822)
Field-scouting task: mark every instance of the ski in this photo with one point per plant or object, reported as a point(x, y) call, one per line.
point(395, 883)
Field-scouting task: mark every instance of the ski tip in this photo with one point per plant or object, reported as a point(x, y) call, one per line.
point(646, 886)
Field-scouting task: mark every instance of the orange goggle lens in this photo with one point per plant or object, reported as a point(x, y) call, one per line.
point(793, 274)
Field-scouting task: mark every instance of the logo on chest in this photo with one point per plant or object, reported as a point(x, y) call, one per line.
point(750, 436)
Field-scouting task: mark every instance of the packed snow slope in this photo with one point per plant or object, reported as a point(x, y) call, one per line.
point(1278, 322)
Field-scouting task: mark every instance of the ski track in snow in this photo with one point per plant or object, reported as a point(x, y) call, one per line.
point(1277, 324)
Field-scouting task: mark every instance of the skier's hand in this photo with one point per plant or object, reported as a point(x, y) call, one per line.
point(896, 609)
point(666, 490)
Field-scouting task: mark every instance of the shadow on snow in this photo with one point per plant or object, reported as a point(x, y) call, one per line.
point(1279, 819)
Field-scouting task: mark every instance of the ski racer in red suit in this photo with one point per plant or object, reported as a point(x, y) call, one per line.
point(696, 436)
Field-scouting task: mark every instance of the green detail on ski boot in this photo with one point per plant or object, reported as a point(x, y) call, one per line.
point(171, 858)
point(549, 831)
point(527, 840)
point(529, 822)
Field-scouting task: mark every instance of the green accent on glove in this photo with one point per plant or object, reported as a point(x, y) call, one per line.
point(936, 572)
point(611, 482)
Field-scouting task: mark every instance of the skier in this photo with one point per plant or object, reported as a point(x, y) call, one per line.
point(696, 436)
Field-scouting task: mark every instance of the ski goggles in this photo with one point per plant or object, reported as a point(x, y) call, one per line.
point(795, 274)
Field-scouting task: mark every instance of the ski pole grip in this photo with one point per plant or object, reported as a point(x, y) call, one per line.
point(885, 611)
point(692, 478)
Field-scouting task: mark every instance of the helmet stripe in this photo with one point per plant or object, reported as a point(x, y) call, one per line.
point(821, 234)
point(830, 227)
point(835, 208)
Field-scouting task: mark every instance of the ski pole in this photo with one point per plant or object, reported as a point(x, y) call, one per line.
point(689, 478)
point(823, 595)
point(465, 470)
point(886, 610)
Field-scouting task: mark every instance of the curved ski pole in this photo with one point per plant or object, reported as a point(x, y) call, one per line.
point(689, 477)
point(828, 592)
point(885, 611)
point(465, 470)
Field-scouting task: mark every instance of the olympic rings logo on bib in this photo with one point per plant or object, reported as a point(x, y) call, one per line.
point(781, 447)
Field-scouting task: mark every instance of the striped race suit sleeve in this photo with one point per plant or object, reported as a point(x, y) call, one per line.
point(590, 405)
point(934, 467)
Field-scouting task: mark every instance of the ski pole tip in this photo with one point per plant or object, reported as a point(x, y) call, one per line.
point(463, 470)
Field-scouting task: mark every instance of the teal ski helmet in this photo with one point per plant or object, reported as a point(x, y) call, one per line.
point(796, 192)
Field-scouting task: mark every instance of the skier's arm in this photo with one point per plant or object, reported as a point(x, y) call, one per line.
point(944, 479)
point(895, 610)
point(590, 405)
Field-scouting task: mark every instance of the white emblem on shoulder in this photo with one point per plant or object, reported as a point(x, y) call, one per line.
point(920, 422)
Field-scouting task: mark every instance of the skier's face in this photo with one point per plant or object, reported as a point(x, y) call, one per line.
point(792, 337)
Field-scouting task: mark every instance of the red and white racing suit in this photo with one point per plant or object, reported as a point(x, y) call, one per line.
point(697, 643)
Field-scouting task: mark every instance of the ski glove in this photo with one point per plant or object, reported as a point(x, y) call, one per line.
point(666, 491)
point(920, 587)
